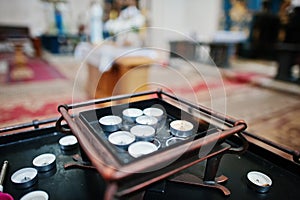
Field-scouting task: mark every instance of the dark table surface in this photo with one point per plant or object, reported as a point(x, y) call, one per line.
point(21, 148)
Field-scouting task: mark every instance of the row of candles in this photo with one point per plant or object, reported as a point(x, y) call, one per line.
point(43, 163)
point(140, 139)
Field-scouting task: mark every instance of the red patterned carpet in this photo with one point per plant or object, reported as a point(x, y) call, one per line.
point(25, 100)
point(24, 113)
point(40, 69)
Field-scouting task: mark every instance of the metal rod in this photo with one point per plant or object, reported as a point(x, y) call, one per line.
point(34, 123)
point(2, 174)
point(295, 154)
point(113, 98)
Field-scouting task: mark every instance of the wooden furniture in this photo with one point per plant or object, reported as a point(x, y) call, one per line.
point(127, 75)
point(18, 36)
point(20, 70)
point(219, 52)
point(8, 33)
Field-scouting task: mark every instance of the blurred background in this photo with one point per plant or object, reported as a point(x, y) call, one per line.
point(240, 57)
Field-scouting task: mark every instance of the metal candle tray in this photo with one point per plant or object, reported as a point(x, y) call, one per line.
point(91, 120)
point(125, 174)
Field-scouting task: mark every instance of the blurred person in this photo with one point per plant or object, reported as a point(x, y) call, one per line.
point(127, 25)
point(264, 32)
point(292, 30)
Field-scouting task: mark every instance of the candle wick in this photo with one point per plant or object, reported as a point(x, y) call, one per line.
point(25, 179)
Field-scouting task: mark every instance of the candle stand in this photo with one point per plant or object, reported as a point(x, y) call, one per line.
point(126, 175)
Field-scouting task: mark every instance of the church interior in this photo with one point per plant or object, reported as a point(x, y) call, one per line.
point(240, 58)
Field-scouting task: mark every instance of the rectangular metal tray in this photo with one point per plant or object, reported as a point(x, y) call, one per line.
point(91, 119)
point(126, 175)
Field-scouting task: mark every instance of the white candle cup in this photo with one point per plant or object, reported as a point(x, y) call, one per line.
point(259, 182)
point(121, 139)
point(44, 162)
point(38, 194)
point(147, 120)
point(181, 128)
point(68, 142)
point(25, 177)
point(110, 123)
point(141, 148)
point(154, 112)
point(143, 132)
point(130, 114)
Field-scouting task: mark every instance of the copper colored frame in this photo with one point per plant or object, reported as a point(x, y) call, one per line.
point(126, 179)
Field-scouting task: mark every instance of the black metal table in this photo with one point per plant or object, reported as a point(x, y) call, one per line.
point(76, 183)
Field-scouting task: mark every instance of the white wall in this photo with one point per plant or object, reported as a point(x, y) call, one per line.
point(37, 15)
point(185, 17)
point(27, 13)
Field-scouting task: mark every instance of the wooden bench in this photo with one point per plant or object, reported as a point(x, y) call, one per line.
point(9, 33)
point(17, 36)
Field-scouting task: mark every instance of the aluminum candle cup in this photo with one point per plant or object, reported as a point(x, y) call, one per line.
point(259, 182)
point(173, 140)
point(147, 120)
point(68, 142)
point(36, 195)
point(25, 177)
point(110, 123)
point(130, 114)
point(154, 112)
point(181, 128)
point(157, 143)
point(141, 148)
point(44, 162)
point(143, 132)
point(121, 139)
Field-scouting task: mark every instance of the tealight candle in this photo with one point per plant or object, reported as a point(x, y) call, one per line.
point(130, 114)
point(141, 148)
point(44, 162)
point(25, 177)
point(147, 120)
point(154, 112)
point(121, 139)
point(68, 142)
point(258, 181)
point(181, 128)
point(143, 132)
point(110, 123)
point(38, 194)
